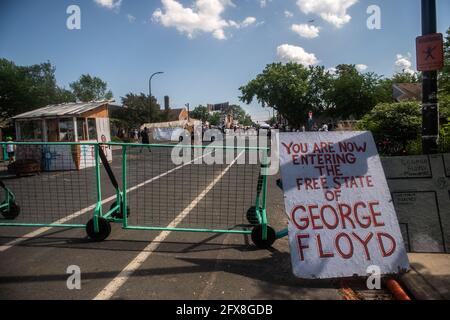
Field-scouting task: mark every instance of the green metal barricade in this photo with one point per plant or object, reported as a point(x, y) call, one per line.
point(142, 188)
point(49, 185)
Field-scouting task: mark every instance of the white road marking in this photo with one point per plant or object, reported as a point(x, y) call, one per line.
point(74, 215)
point(134, 265)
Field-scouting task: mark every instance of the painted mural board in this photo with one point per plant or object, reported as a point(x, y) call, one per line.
point(342, 218)
point(69, 157)
point(407, 167)
point(422, 230)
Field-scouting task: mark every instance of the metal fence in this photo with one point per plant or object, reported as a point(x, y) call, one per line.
point(90, 185)
point(44, 187)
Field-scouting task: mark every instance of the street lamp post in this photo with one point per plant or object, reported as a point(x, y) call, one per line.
point(150, 87)
point(150, 84)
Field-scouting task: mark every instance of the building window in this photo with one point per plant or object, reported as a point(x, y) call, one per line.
point(66, 130)
point(92, 127)
point(81, 129)
point(31, 130)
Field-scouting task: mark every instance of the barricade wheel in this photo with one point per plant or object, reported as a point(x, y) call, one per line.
point(257, 237)
point(12, 213)
point(104, 229)
point(119, 214)
point(252, 217)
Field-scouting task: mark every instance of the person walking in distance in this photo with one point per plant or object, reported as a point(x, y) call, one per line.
point(145, 139)
point(10, 149)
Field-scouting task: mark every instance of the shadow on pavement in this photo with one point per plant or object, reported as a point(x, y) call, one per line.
point(271, 272)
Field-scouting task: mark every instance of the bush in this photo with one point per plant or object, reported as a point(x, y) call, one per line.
point(395, 126)
point(414, 147)
point(444, 139)
point(444, 105)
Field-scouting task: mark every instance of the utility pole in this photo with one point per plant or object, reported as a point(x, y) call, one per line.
point(188, 106)
point(430, 108)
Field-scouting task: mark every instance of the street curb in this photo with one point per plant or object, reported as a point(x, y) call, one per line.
point(419, 287)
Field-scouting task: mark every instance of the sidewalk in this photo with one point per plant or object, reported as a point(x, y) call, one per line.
point(429, 278)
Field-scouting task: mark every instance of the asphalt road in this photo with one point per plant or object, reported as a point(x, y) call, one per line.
point(165, 265)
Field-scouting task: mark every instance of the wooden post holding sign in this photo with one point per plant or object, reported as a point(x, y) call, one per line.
point(430, 52)
point(342, 218)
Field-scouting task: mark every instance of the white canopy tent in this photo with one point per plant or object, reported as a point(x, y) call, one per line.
point(172, 131)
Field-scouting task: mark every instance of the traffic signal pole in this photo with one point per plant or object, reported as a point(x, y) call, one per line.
point(430, 108)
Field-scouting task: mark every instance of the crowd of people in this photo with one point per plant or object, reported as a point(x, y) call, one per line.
point(314, 128)
point(143, 136)
point(135, 135)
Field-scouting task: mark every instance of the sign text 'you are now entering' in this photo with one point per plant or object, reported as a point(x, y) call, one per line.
point(341, 215)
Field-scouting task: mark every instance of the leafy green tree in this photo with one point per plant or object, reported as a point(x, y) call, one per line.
point(444, 106)
point(214, 119)
point(89, 88)
point(200, 113)
point(353, 94)
point(444, 139)
point(444, 81)
point(406, 77)
point(272, 121)
point(291, 89)
point(238, 114)
point(444, 75)
point(247, 121)
point(384, 88)
point(138, 110)
point(393, 125)
point(64, 95)
point(25, 88)
point(384, 91)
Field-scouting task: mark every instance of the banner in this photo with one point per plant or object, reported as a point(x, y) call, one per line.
point(168, 134)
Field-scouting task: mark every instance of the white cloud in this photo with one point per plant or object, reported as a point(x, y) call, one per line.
point(305, 30)
point(288, 14)
point(203, 16)
point(244, 24)
point(263, 3)
point(332, 11)
point(361, 67)
point(248, 21)
point(332, 70)
point(131, 18)
point(290, 53)
point(109, 4)
point(404, 64)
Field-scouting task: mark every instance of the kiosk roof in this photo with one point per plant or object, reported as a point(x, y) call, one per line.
point(59, 110)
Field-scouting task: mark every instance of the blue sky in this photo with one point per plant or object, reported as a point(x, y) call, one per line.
point(207, 48)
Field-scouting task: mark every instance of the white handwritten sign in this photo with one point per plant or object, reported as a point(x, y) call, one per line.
point(342, 219)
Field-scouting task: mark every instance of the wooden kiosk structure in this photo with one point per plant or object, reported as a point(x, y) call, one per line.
point(69, 122)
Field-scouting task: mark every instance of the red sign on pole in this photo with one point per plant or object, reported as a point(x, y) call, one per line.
point(430, 52)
